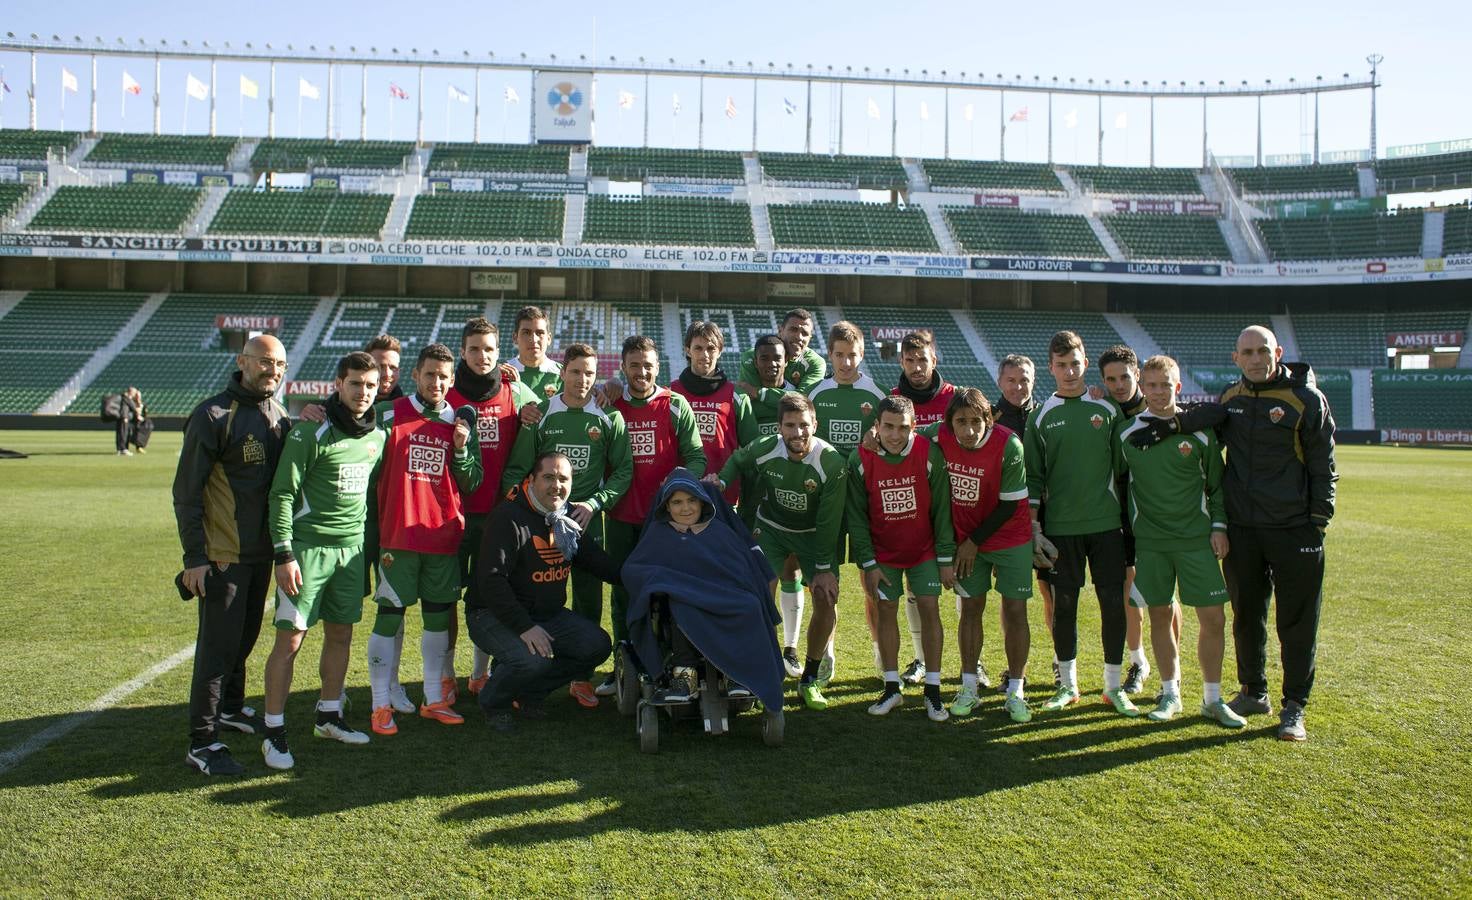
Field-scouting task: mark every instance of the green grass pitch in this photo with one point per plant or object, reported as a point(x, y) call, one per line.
point(1079, 803)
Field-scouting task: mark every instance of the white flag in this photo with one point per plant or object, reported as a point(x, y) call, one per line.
point(68, 81)
point(195, 88)
point(625, 100)
point(457, 94)
point(511, 96)
point(924, 111)
point(968, 112)
point(675, 103)
point(1121, 121)
point(249, 88)
point(873, 109)
point(730, 107)
point(130, 84)
point(308, 90)
point(1071, 118)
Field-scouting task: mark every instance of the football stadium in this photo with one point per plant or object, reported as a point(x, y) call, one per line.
point(157, 259)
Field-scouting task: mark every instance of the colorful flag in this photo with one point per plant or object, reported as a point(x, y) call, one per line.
point(625, 100)
point(1019, 116)
point(195, 88)
point(968, 112)
point(397, 92)
point(308, 90)
point(924, 111)
point(873, 109)
point(675, 103)
point(1121, 121)
point(789, 107)
point(249, 88)
point(1071, 119)
point(131, 85)
point(730, 107)
point(511, 96)
point(457, 94)
point(68, 81)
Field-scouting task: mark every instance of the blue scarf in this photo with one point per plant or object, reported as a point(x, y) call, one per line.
point(565, 532)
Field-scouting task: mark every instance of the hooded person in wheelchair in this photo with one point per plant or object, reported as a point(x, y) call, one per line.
point(700, 599)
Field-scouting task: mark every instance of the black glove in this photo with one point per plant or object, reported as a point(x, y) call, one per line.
point(467, 415)
point(1154, 432)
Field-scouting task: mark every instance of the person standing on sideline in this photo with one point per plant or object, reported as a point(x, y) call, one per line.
point(232, 442)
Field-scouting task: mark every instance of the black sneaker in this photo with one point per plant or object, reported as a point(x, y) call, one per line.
point(790, 662)
point(1134, 678)
point(681, 688)
point(984, 680)
point(914, 673)
point(213, 759)
point(501, 721)
point(242, 720)
point(1245, 704)
point(529, 708)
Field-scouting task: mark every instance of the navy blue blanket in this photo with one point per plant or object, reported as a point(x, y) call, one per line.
point(719, 589)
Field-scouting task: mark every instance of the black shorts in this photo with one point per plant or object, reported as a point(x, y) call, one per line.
point(1104, 551)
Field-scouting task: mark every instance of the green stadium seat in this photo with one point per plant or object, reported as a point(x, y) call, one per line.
point(976, 175)
point(653, 163)
point(1156, 236)
point(1420, 173)
point(1137, 181)
point(18, 145)
point(1358, 339)
point(602, 325)
point(1323, 179)
point(1008, 231)
point(302, 213)
point(492, 159)
point(301, 154)
point(47, 337)
point(851, 226)
point(12, 195)
point(871, 172)
point(119, 207)
point(1197, 339)
point(1344, 236)
point(193, 151)
point(1434, 398)
point(1028, 331)
point(667, 220)
point(486, 217)
point(1456, 237)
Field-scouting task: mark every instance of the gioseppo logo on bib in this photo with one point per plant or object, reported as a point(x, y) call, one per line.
point(796, 501)
point(641, 442)
point(708, 422)
point(965, 488)
point(426, 461)
point(896, 501)
point(577, 456)
point(488, 427)
point(844, 432)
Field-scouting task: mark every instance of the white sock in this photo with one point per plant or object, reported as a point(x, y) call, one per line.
point(932, 677)
point(447, 663)
point(968, 681)
point(1068, 673)
point(278, 720)
point(331, 706)
point(1211, 692)
point(381, 665)
point(912, 613)
point(1014, 687)
point(480, 663)
point(792, 604)
point(1172, 687)
point(891, 675)
point(1137, 656)
point(432, 645)
point(1055, 659)
point(828, 653)
point(878, 660)
point(1111, 676)
point(398, 654)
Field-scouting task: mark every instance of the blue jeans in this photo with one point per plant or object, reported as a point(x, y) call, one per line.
point(578, 647)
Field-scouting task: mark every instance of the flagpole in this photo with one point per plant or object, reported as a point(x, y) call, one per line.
point(298, 109)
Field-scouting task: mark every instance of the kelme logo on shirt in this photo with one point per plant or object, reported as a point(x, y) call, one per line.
point(796, 501)
point(1184, 447)
point(577, 455)
point(1276, 414)
point(1096, 420)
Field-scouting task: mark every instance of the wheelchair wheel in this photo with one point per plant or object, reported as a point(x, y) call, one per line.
point(648, 728)
point(626, 681)
point(772, 727)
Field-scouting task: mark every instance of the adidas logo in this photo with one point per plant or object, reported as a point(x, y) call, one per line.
point(547, 550)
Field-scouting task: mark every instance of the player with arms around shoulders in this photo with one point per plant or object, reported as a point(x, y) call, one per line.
point(722, 412)
point(802, 367)
point(319, 503)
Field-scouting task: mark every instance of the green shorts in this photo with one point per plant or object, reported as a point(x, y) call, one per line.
point(923, 578)
point(1158, 571)
point(406, 577)
point(332, 578)
point(1011, 569)
point(777, 545)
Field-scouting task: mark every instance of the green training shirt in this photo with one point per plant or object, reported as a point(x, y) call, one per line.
point(802, 373)
point(319, 495)
point(1069, 451)
point(845, 411)
point(802, 497)
point(764, 410)
point(545, 381)
point(594, 441)
point(1175, 487)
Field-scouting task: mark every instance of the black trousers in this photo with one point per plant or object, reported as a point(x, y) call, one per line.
point(1290, 563)
point(1104, 553)
point(578, 647)
point(229, 624)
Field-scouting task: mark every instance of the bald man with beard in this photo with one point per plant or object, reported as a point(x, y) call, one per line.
point(232, 442)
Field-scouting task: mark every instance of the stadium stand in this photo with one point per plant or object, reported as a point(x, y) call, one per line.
point(1419, 173)
point(1335, 384)
point(309, 213)
point(955, 361)
point(1437, 398)
point(667, 220)
point(47, 337)
point(1456, 230)
point(1296, 180)
point(1358, 339)
point(1155, 236)
point(1195, 339)
point(1137, 181)
point(415, 321)
point(649, 163)
point(119, 207)
point(177, 359)
point(967, 174)
point(521, 159)
point(486, 217)
point(874, 172)
point(28, 146)
point(1343, 236)
point(11, 195)
point(1028, 332)
point(300, 154)
point(162, 150)
point(1033, 234)
point(850, 225)
point(741, 326)
point(603, 325)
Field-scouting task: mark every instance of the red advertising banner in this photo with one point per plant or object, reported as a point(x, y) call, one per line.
point(241, 322)
point(1423, 340)
point(997, 200)
point(1425, 436)
point(308, 388)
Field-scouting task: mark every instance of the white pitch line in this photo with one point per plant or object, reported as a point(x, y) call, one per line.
point(67, 724)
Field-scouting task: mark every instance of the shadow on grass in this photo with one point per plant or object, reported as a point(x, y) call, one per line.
point(579, 772)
